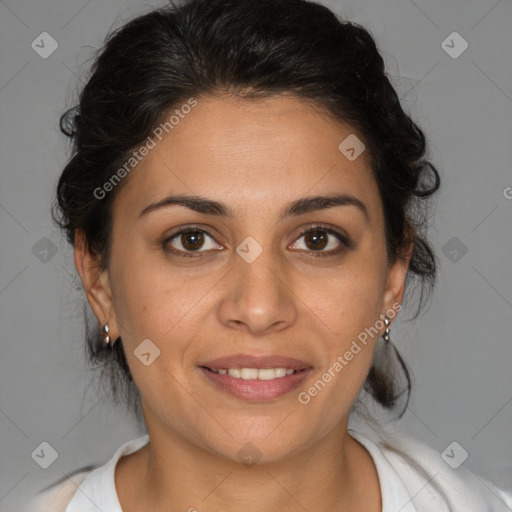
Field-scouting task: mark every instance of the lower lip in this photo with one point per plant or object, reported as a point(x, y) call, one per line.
point(256, 390)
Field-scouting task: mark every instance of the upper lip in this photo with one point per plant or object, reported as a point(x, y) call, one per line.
point(254, 361)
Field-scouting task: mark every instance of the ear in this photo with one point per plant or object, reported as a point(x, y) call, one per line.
point(395, 285)
point(96, 283)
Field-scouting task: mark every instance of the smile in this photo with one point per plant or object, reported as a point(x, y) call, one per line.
point(255, 373)
point(255, 384)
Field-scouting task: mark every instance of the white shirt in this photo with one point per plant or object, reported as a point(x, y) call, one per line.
point(404, 488)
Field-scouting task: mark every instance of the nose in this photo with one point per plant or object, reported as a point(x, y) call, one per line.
point(258, 299)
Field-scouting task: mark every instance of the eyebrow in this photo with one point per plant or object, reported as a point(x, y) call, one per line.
point(295, 208)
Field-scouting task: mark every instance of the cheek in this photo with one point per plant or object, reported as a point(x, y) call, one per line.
point(149, 304)
point(153, 300)
point(348, 338)
point(350, 299)
point(347, 308)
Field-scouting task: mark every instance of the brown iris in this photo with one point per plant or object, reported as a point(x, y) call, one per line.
point(318, 239)
point(192, 240)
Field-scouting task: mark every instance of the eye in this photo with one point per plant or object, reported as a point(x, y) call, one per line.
point(190, 240)
point(194, 242)
point(322, 240)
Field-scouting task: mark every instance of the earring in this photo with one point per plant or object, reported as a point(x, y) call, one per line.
point(105, 333)
point(385, 336)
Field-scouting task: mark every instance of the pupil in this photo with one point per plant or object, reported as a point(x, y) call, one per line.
point(196, 239)
point(316, 237)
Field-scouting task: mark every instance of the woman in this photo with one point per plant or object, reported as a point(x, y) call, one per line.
point(246, 201)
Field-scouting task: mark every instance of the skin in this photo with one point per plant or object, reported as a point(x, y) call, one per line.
point(255, 156)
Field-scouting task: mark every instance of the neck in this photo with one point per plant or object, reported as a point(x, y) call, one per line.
point(171, 473)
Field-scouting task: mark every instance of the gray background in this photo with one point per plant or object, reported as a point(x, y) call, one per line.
point(459, 351)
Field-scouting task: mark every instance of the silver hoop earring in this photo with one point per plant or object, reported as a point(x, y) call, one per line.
point(385, 336)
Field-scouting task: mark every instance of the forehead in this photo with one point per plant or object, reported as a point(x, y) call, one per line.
point(245, 151)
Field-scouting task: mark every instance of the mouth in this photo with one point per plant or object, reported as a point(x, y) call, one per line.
point(255, 373)
point(255, 378)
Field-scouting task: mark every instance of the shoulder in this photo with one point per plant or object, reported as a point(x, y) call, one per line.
point(94, 481)
point(57, 496)
point(432, 481)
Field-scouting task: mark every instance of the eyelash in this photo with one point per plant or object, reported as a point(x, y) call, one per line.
point(345, 243)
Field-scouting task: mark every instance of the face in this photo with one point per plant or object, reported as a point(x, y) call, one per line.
point(256, 273)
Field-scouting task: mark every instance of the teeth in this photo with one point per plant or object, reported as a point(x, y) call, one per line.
point(271, 373)
point(255, 373)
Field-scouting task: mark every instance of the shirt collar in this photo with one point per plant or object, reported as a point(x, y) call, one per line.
point(98, 490)
point(395, 496)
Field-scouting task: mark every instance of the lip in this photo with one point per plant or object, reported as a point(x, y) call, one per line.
point(256, 361)
point(256, 390)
